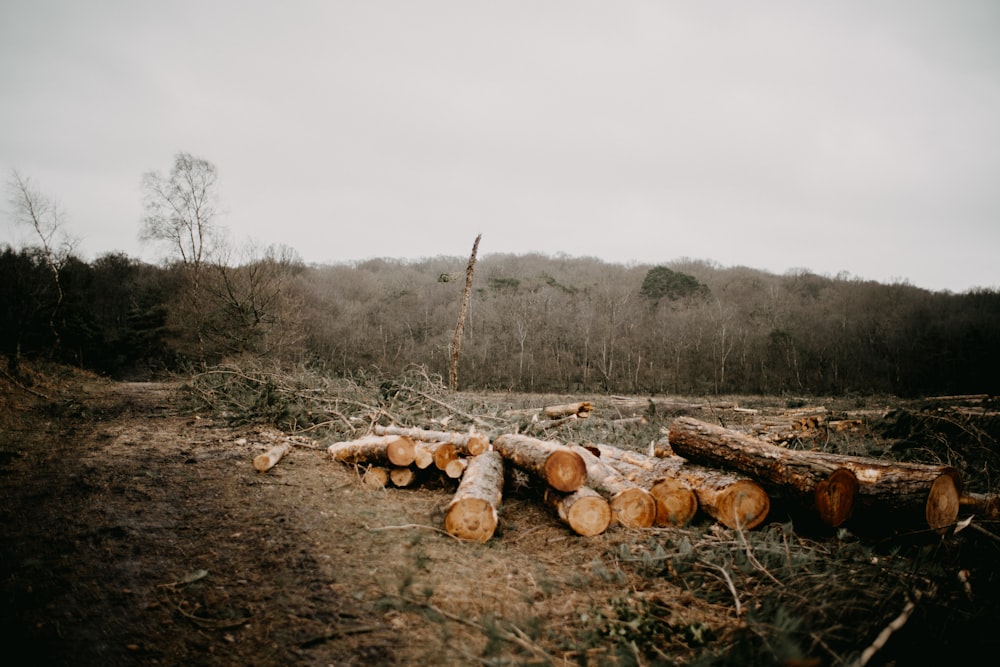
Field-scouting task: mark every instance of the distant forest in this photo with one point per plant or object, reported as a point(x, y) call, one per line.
point(536, 323)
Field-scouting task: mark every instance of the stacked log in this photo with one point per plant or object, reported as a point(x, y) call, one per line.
point(930, 491)
point(397, 450)
point(558, 465)
point(472, 513)
point(631, 505)
point(466, 444)
point(585, 511)
point(731, 499)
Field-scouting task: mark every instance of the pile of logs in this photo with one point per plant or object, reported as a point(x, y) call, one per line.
point(726, 474)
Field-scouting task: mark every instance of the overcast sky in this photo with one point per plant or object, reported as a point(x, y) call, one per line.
point(855, 136)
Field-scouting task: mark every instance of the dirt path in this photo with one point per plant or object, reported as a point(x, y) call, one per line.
point(134, 534)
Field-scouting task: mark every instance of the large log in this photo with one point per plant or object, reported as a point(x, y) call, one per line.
point(472, 513)
point(676, 502)
point(930, 491)
point(581, 409)
point(731, 499)
point(470, 443)
point(558, 465)
point(397, 450)
point(631, 505)
point(585, 511)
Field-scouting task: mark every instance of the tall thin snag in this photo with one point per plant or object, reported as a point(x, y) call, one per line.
point(456, 341)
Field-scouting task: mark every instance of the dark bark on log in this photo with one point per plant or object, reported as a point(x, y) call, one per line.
point(469, 444)
point(558, 465)
point(929, 490)
point(585, 511)
point(472, 513)
point(631, 505)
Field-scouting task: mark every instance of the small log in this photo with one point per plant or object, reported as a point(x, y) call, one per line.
point(456, 468)
point(676, 502)
point(585, 511)
point(561, 467)
point(397, 450)
point(472, 513)
point(733, 500)
point(444, 453)
point(270, 458)
point(423, 455)
point(402, 477)
point(375, 477)
point(470, 444)
point(581, 410)
point(931, 490)
point(631, 505)
point(983, 505)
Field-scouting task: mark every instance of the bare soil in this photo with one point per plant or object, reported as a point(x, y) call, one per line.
point(135, 534)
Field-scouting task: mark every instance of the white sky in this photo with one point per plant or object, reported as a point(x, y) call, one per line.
point(859, 136)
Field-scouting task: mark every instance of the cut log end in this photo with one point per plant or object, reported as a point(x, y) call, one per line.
point(401, 451)
point(835, 496)
point(634, 508)
point(943, 501)
point(676, 503)
point(585, 511)
point(471, 519)
point(565, 471)
point(743, 504)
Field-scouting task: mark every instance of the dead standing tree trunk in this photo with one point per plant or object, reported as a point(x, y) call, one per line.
point(456, 341)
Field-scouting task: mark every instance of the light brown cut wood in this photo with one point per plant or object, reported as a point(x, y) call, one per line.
point(926, 490)
point(397, 450)
point(733, 500)
point(558, 465)
point(270, 458)
point(456, 467)
point(676, 502)
point(423, 456)
point(631, 505)
point(375, 477)
point(585, 511)
point(402, 477)
point(444, 453)
point(470, 443)
point(472, 513)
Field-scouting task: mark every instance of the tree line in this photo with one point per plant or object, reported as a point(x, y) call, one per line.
point(534, 322)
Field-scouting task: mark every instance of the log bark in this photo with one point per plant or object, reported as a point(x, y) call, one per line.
point(984, 505)
point(560, 466)
point(585, 511)
point(270, 458)
point(396, 450)
point(581, 410)
point(929, 491)
point(472, 513)
point(470, 444)
point(631, 505)
point(676, 502)
point(731, 499)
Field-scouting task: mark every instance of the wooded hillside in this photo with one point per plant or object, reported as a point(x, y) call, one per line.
point(535, 323)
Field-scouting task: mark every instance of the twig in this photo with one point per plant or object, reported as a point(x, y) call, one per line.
point(883, 637)
point(407, 526)
point(452, 408)
point(20, 386)
point(730, 584)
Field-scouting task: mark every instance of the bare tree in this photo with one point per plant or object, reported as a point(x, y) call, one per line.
point(181, 209)
point(456, 341)
point(32, 208)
